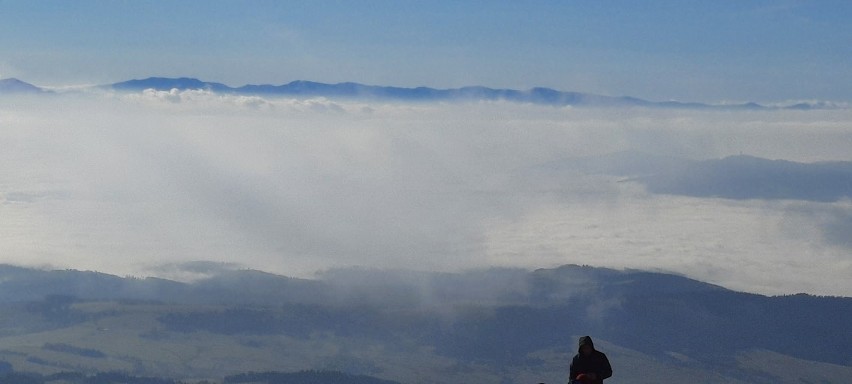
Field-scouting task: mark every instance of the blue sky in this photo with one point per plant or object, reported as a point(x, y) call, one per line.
point(684, 50)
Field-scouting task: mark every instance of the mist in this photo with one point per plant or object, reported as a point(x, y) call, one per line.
point(131, 183)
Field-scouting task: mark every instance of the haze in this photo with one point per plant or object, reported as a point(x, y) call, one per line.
point(128, 183)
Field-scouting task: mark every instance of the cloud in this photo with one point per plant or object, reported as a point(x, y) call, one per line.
point(838, 229)
point(755, 246)
point(123, 183)
point(192, 270)
point(833, 221)
point(207, 101)
point(198, 97)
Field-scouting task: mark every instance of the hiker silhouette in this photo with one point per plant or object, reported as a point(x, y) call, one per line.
point(589, 366)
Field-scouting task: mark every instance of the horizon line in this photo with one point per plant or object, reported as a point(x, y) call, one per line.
point(806, 104)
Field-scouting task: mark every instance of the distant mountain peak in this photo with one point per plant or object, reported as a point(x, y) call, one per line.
point(13, 85)
point(166, 83)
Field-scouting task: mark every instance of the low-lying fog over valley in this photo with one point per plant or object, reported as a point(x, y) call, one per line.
point(132, 183)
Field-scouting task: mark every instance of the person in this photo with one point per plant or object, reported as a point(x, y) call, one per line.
point(589, 366)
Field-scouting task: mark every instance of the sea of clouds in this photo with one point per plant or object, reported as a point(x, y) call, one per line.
point(126, 183)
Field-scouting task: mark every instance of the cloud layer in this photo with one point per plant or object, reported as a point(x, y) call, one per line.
point(124, 183)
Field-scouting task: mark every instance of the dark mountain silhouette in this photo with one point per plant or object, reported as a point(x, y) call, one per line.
point(301, 377)
point(22, 284)
point(496, 318)
point(304, 377)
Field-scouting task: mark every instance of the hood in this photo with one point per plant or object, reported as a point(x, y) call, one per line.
point(584, 341)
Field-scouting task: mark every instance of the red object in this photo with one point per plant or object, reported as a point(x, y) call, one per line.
point(583, 378)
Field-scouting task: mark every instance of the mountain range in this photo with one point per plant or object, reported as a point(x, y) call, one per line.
point(349, 90)
point(495, 325)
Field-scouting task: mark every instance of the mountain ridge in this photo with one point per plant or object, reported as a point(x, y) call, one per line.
point(497, 324)
point(535, 95)
point(306, 88)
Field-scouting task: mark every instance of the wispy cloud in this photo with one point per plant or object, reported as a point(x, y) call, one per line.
point(125, 182)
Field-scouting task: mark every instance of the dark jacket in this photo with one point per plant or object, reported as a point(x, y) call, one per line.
point(596, 363)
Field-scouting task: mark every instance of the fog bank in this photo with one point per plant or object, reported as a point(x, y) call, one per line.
point(124, 183)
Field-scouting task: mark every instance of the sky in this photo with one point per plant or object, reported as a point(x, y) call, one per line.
point(139, 183)
point(702, 51)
